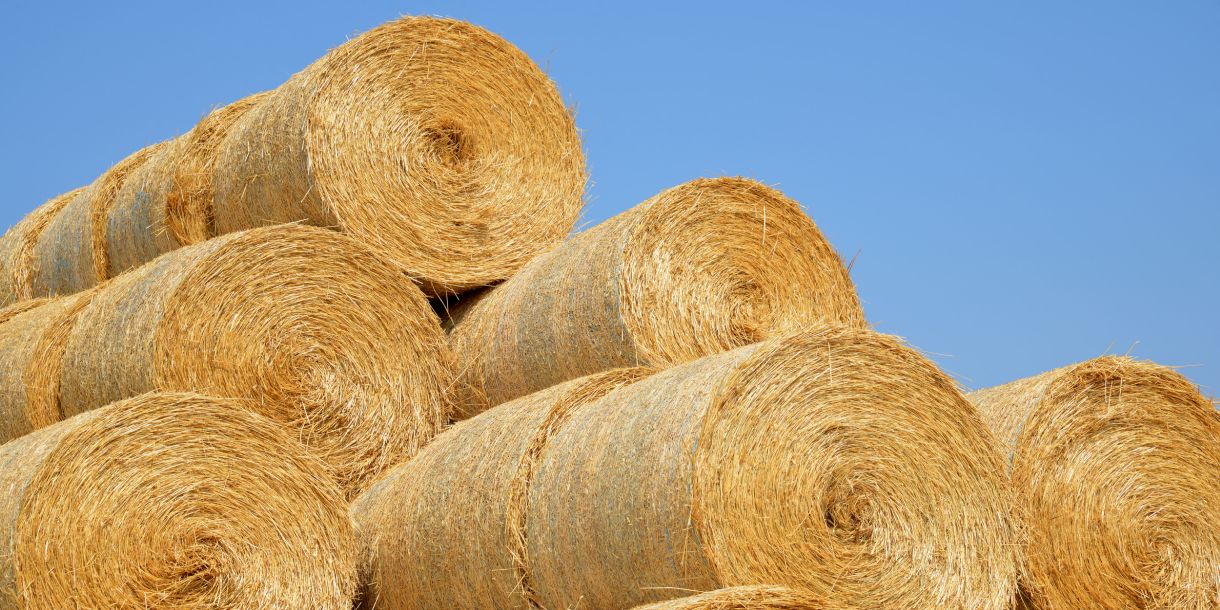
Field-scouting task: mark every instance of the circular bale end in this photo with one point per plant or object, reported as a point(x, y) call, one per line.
point(862, 471)
point(172, 501)
point(446, 148)
point(718, 263)
point(320, 333)
point(1117, 463)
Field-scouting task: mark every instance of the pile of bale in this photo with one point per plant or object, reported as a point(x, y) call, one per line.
point(333, 346)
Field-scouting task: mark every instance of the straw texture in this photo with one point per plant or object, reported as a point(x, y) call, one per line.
point(836, 461)
point(701, 268)
point(17, 249)
point(170, 501)
point(166, 202)
point(758, 597)
point(28, 332)
point(433, 141)
point(316, 331)
point(1117, 466)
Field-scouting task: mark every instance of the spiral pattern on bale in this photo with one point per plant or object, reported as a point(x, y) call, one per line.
point(171, 501)
point(757, 597)
point(1116, 463)
point(835, 461)
point(700, 268)
point(433, 141)
point(316, 331)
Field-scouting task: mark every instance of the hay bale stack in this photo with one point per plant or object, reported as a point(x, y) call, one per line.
point(17, 250)
point(434, 141)
point(170, 501)
point(166, 203)
point(835, 461)
point(318, 332)
point(1116, 463)
point(701, 268)
point(757, 597)
point(70, 254)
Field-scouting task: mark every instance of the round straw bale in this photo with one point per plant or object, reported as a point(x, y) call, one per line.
point(1116, 463)
point(318, 332)
point(17, 249)
point(701, 268)
point(433, 141)
point(70, 254)
point(407, 518)
point(27, 333)
point(170, 501)
point(756, 597)
point(166, 202)
point(835, 461)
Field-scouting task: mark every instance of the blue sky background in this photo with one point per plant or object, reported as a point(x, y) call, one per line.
point(1026, 184)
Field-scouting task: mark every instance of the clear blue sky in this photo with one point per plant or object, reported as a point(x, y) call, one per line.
point(1027, 184)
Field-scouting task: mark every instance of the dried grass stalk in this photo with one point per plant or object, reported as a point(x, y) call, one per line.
point(434, 141)
point(835, 461)
point(701, 268)
point(757, 597)
point(1116, 463)
point(170, 501)
point(318, 332)
point(17, 249)
point(166, 203)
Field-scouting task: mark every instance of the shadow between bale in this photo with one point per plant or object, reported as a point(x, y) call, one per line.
point(1116, 463)
point(835, 461)
point(171, 501)
point(700, 268)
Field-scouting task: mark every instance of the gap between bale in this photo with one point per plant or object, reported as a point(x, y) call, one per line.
point(700, 268)
point(1115, 463)
point(171, 501)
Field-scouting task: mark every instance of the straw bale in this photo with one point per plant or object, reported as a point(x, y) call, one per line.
point(433, 141)
point(700, 268)
point(318, 332)
point(17, 249)
point(70, 255)
point(166, 202)
point(29, 331)
point(836, 461)
point(757, 597)
point(1116, 463)
point(170, 501)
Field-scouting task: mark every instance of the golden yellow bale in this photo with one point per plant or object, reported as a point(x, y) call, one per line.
point(757, 597)
point(1116, 463)
point(317, 331)
point(17, 249)
point(701, 268)
point(171, 501)
point(433, 141)
point(836, 461)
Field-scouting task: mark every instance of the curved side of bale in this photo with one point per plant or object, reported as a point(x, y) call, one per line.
point(1114, 461)
point(756, 597)
point(433, 541)
point(104, 199)
point(189, 213)
point(17, 249)
point(431, 140)
point(22, 342)
point(137, 229)
point(698, 269)
point(193, 502)
point(836, 461)
point(318, 332)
